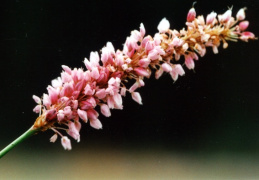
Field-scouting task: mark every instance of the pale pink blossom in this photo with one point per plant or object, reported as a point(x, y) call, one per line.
point(245, 36)
point(243, 25)
point(136, 97)
point(226, 16)
point(241, 14)
point(191, 15)
point(211, 18)
point(105, 110)
point(189, 62)
point(142, 30)
point(166, 67)
point(95, 123)
point(37, 109)
point(53, 138)
point(83, 115)
point(73, 131)
point(163, 26)
point(66, 143)
point(36, 99)
point(46, 100)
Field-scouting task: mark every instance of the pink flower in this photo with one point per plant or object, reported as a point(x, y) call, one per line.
point(226, 16)
point(95, 123)
point(105, 110)
point(54, 138)
point(243, 25)
point(142, 30)
point(163, 26)
point(191, 15)
point(166, 67)
point(66, 143)
point(136, 97)
point(247, 35)
point(37, 109)
point(211, 18)
point(46, 100)
point(73, 131)
point(241, 14)
point(36, 99)
point(189, 62)
point(82, 114)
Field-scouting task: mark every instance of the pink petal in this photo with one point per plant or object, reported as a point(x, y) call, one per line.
point(144, 62)
point(53, 94)
point(95, 73)
point(60, 115)
point(134, 87)
point(243, 25)
point(67, 111)
point(159, 73)
point(87, 63)
point(92, 114)
point(105, 110)
point(67, 90)
point(53, 138)
point(136, 97)
point(142, 30)
point(73, 131)
point(241, 14)
point(226, 16)
point(189, 62)
point(95, 123)
point(123, 91)
point(100, 93)
point(88, 90)
point(66, 77)
point(211, 17)
point(66, 69)
point(46, 100)
point(82, 114)
point(179, 69)
point(166, 67)
point(56, 82)
point(117, 101)
point(36, 99)
point(94, 58)
point(141, 71)
point(110, 102)
point(37, 108)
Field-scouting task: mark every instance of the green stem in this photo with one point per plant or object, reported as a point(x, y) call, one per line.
point(20, 139)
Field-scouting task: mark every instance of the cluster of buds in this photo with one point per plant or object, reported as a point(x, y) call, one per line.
point(77, 93)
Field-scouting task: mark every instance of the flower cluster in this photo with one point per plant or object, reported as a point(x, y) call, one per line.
point(76, 93)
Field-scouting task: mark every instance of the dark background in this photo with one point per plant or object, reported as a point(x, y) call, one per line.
point(212, 110)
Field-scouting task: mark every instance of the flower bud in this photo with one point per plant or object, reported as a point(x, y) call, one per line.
point(241, 14)
point(211, 17)
point(191, 15)
point(66, 143)
point(163, 26)
point(243, 25)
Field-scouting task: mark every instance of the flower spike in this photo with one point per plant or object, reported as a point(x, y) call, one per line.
point(78, 92)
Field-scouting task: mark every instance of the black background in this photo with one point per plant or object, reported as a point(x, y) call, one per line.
point(214, 108)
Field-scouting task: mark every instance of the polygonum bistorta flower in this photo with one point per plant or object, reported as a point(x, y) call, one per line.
point(80, 94)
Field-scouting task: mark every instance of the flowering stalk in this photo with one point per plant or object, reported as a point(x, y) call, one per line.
point(76, 93)
point(21, 138)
